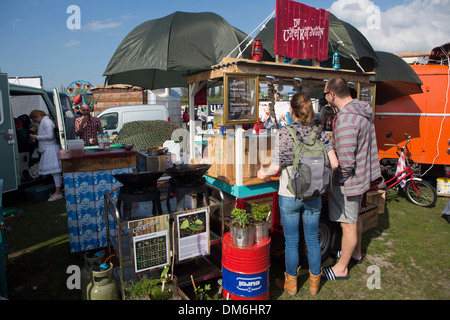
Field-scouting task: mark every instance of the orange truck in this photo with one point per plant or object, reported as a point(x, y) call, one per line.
point(424, 116)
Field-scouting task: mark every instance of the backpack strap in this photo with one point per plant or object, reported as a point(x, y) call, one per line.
point(293, 133)
point(315, 134)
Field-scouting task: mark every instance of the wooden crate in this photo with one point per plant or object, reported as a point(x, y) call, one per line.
point(378, 198)
point(369, 217)
point(117, 95)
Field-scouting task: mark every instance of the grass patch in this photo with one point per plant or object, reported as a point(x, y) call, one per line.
point(409, 246)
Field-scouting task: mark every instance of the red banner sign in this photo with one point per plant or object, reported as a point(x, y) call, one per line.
point(301, 31)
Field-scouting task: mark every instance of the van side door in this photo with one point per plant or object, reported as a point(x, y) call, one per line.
point(8, 145)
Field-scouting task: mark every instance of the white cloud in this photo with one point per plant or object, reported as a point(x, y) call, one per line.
point(413, 26)
point(72, 43)
point(100, 25)
point(16, 22)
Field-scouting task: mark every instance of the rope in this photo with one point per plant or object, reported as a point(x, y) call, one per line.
point(348, 51)
point(263, 24)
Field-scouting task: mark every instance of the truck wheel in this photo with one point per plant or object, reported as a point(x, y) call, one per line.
point(327, 234)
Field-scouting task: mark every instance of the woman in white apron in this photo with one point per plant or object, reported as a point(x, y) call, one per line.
point(48, 148)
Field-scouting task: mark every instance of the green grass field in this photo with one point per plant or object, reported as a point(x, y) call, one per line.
point(407, 254)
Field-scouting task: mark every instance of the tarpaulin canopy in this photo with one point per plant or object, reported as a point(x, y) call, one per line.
point(351, 45)
point(394, 78)
point(160, 53)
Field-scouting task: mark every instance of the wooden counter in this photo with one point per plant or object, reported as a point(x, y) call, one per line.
point(88, 175)
point(92, 160)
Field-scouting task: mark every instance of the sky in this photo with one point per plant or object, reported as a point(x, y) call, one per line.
point(48, 38)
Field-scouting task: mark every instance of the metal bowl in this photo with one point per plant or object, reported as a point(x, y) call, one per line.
point(187, 172)
point(156, 151)
point(128, 146)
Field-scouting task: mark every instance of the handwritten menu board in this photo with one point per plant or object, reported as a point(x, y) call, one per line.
point(150, 242)
point(366, 93)
point(241, 99)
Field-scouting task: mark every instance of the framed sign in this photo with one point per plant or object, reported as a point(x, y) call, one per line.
point(241, 99)
point(366, 92)
point(150, 243)
point(193, 233)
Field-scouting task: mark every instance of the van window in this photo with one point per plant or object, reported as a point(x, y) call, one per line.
point(24, 104)
point(109, 121)
point(66, 106)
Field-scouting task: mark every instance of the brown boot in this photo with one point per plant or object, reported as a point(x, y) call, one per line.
point(290, 284)
point(314, 283)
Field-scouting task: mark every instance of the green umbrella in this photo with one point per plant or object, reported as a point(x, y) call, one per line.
point(352, 46)
point(394, 78)
point(160, 53)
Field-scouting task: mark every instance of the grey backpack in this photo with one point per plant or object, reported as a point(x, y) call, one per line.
point(311, 170)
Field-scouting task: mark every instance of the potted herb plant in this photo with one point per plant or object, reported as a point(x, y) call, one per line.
point(241, 228)
point(260, 215)
point(162, 288)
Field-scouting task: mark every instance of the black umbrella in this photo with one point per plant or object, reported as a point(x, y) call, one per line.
point(160, 53)
point(394, 78)
point(352, 46)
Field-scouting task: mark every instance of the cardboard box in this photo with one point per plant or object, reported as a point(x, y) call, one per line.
point(369, 217)
point(378, 198)
point(443, 187)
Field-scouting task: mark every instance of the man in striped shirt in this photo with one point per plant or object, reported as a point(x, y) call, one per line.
point(357, 152)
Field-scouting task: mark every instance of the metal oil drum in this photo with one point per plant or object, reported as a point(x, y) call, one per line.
point(245, 271)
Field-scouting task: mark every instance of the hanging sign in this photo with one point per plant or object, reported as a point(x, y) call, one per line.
point(301, 31)
point(150, 242)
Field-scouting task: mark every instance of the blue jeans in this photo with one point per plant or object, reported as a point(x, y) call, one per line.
point(290, 210)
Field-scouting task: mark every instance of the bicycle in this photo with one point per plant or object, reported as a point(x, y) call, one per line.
point(417, 190)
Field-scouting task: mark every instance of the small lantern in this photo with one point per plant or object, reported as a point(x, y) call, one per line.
point(336, 64)
point(257, 50)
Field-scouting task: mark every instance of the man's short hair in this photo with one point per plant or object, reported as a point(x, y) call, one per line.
point(339, 86)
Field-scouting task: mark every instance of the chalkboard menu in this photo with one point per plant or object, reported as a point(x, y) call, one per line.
point(241, 100)
point(366, 93)
point(150, 243)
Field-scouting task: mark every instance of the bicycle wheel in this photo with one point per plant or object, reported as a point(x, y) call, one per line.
point(425, 196)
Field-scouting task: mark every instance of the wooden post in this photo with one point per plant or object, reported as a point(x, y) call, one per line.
point(239, 159)
point(194, 88)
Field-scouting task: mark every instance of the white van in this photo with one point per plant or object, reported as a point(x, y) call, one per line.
point(114, 118)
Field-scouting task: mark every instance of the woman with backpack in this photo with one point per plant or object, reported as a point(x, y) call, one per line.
point(292, 208)
point(48, 148)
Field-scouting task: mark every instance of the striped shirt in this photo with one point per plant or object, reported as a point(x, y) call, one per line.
point(90, 130)
point(356, 148)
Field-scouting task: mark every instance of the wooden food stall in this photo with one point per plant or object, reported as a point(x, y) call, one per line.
point(88, 175)
point(237, 154)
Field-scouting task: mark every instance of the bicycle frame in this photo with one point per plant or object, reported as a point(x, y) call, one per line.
point(397, 181)
point(408, 170)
